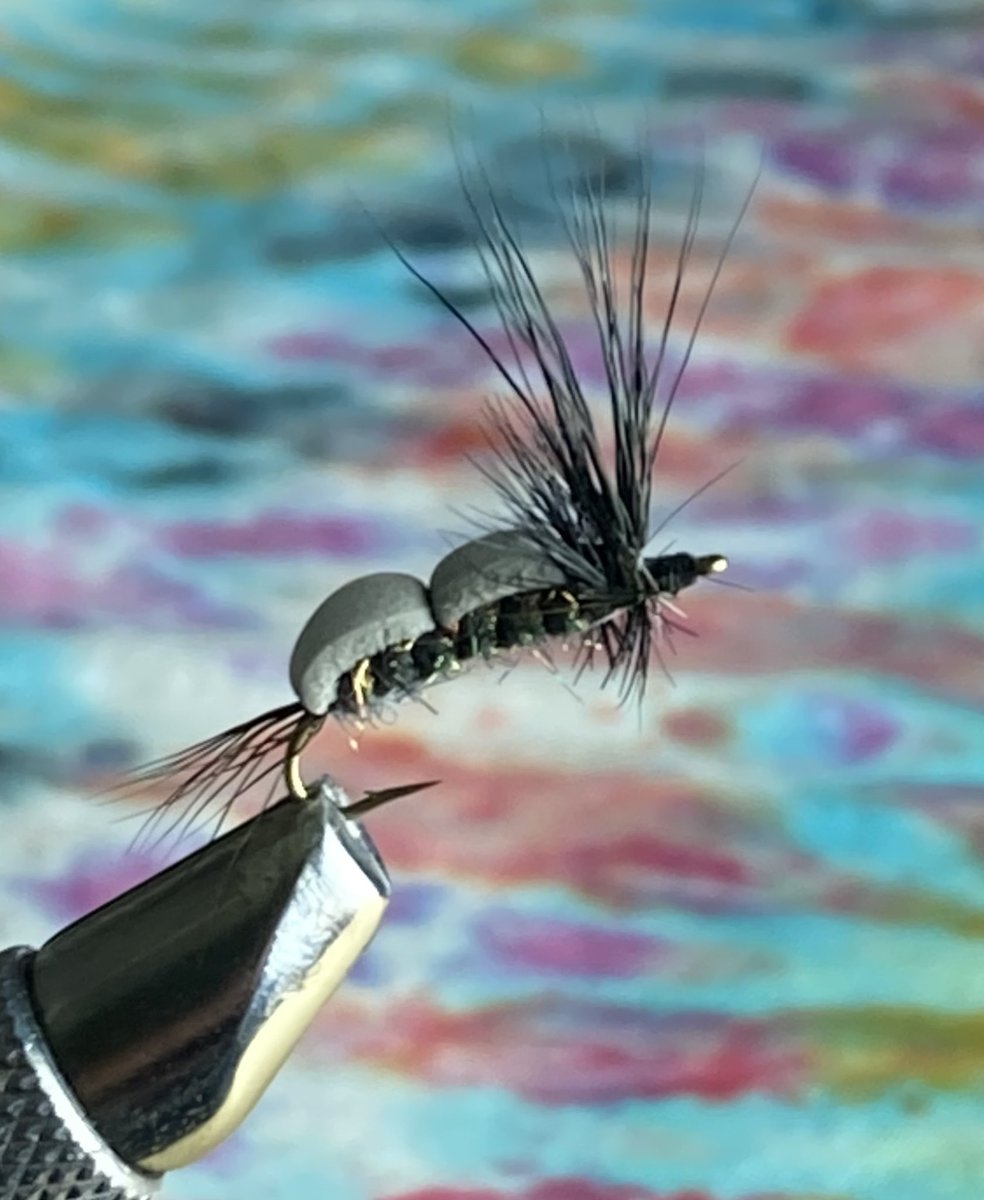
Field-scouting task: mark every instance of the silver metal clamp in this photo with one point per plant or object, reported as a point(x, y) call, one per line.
point(138, 1038)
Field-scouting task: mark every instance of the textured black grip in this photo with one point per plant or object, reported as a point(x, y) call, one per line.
point(48, 1151)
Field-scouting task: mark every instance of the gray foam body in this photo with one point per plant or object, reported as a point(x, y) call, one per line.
point(355, 622)
point(488, 569)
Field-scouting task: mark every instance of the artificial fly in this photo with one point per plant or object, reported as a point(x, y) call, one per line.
point(567, 561)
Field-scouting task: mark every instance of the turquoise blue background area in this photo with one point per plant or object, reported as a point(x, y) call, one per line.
point(729, 946)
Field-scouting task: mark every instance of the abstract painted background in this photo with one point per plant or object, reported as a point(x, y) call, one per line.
point(734, 949)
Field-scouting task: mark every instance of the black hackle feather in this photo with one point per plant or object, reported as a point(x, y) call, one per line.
point(548, 465)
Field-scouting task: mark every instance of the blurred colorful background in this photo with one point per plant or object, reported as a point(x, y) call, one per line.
point(730, 948)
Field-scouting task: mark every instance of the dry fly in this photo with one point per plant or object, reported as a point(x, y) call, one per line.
point(565, 560)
